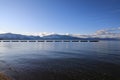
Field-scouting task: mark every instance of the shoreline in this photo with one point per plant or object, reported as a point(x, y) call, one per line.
point(4, 77)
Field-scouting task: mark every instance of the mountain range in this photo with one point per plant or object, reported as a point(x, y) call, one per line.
point(105, 34)
point(12, 36)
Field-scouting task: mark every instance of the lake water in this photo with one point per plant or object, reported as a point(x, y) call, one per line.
point(60, 60)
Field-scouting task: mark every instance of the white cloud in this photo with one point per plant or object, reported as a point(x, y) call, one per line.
point(109, 33)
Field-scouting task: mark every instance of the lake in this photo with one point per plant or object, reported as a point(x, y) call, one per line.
point(60, 60)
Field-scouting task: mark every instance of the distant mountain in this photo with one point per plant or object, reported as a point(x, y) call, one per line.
point(11, 36)
point(57, 36)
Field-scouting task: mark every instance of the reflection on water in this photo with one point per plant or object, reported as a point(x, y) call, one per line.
point(61, 60)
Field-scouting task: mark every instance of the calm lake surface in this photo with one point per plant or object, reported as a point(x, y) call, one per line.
point(61, 60)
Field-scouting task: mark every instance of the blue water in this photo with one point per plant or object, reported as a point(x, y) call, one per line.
point(61, 60)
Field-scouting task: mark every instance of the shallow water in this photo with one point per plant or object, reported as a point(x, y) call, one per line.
point(61, 60)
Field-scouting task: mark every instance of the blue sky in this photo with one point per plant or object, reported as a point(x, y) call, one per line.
point(59, 16)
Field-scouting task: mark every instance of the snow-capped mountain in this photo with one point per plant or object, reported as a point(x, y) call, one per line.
point(8, 36)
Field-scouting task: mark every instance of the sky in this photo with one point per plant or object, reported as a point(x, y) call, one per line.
point(58, 16)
